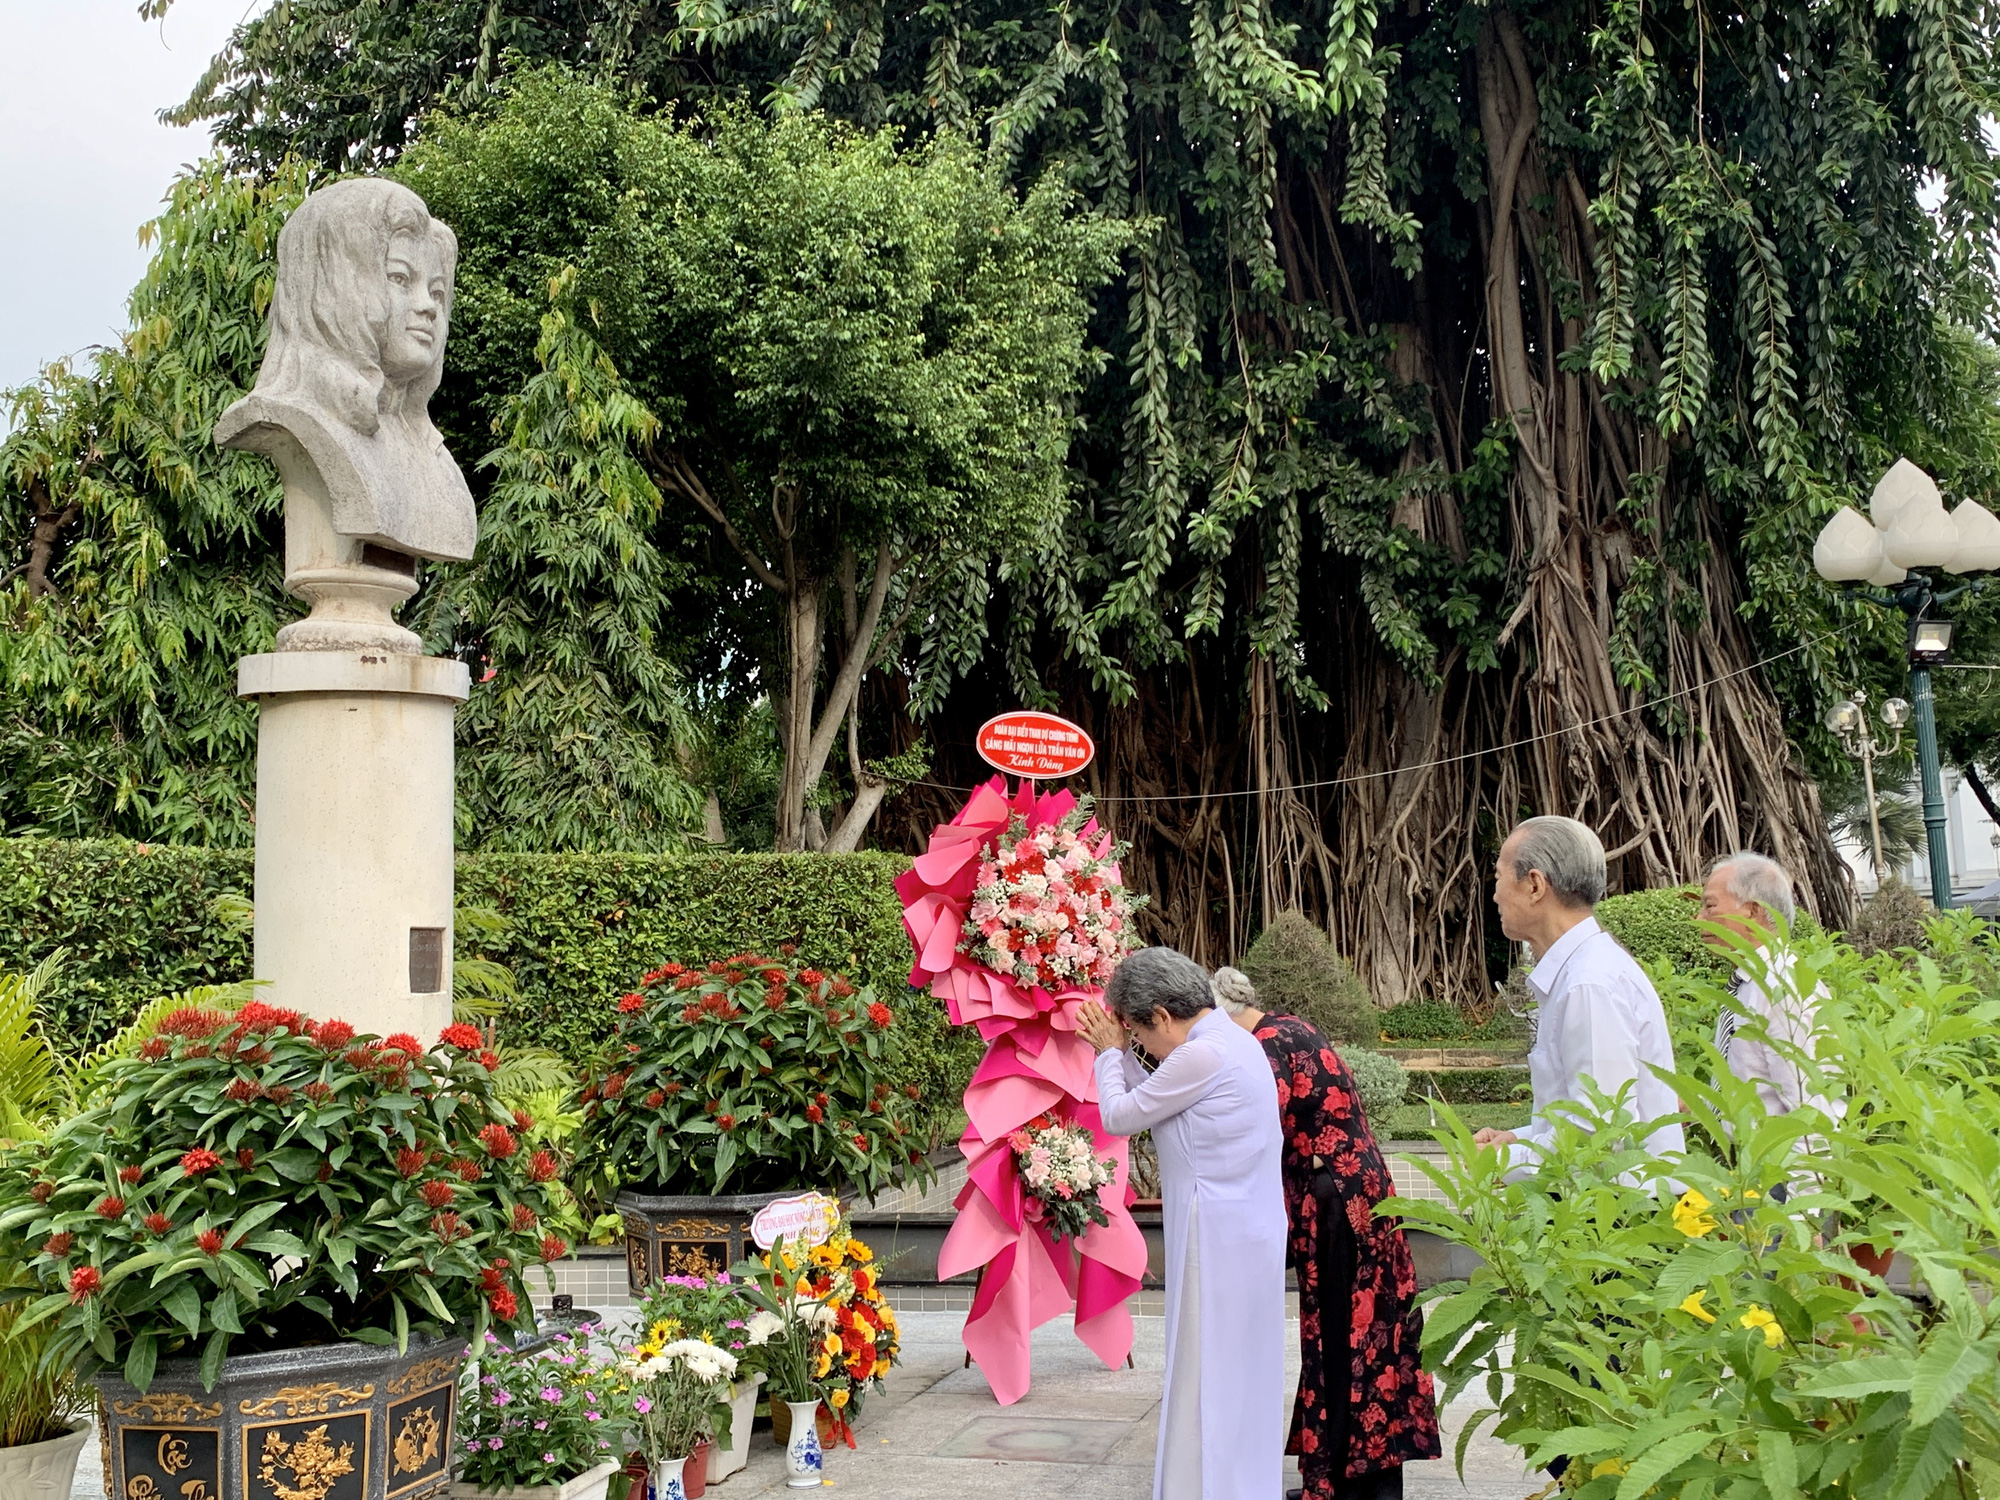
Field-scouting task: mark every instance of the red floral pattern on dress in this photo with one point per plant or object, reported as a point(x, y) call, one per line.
point(1391, 1404)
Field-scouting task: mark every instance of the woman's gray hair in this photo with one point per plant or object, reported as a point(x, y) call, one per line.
point(1159, 979)
point(1758, 878)
point(1567, 853)
point(1233, 990)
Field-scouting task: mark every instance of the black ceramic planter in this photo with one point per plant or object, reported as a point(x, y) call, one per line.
point(336, 1422)
point(687, 1236)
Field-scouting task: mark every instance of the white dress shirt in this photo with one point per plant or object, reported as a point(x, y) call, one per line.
point(1772, 998)
point(1597, 1017)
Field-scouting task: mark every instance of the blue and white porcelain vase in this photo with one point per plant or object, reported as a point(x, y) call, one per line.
point(667, 1483)
point(802, 1455)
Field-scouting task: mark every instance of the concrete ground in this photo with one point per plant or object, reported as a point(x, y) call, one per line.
point(1082, 1433)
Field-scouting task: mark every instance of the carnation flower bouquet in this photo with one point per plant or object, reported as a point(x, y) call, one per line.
point(1061, 1174)
point(262, 1181)
point(751, 1074)
point(543, 1417)
point(1048, 906)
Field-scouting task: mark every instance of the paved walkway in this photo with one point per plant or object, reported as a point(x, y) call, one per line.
point(1082, 1433)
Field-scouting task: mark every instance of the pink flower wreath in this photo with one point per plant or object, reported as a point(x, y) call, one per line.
point(1035, 1064)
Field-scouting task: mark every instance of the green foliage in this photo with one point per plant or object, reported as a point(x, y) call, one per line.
point(1890, 919)
point(250, 1182)
point(1419, 1021)
point(751, 1075)
point(1470, 1085)
point(1659, 927)
point(1686, 1344)
point(1296, 971)
point(1380, 1081)
point(30, 1076)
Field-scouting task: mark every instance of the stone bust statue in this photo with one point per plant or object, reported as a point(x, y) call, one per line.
point(358, 325)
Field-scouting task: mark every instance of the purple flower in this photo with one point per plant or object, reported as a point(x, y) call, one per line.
point(641, 1405)
point(591, 1416)
point(501, 1398)
point(552, 1393)
point(494, 1444)
point(541, 1427)
point(548, 1458)
point(604, 1442)
point(591, 1397)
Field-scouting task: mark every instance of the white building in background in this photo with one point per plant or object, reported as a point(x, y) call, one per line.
point(1971, 837)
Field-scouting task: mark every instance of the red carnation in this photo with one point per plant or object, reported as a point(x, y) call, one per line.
point(128, 1175)
point(402, 1041)
point(42, 1191)
point(245, 1157)
point(438, 1194)
point(82, 1282)
point(111, 1206)
point(554, 1247)
point(210, 1241)
point(198, 1160)
point(815, 1113)
point(880, 1014)
point(157, 1222)
point(542, 1166)
point(629, 1003)
point(458, 1034)
point(156, 1048)
point(58, 1244)
point(498, 1140)
point(410, 1161)
point(523, 1218)
point(446, 1227)
point(505, 1306)
point(655, 1099)
point(467, 1170)
point(333, 1034)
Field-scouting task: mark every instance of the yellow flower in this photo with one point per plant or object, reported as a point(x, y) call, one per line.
point(825, 1255)
point(837, 1400)
point(820, 1369)
point(1691, 1305)
point(1609, 1466)
point(663, 1330)
point(831, 1343)
point(859, 1251)
point(1691, 1216)
point(1758, 1318)
point(804, 1288)
point(881, 1369)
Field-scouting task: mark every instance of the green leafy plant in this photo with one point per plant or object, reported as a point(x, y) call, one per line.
point(1380, 1081)
point(540, 1417)
point(1671, 1327)
point(1297, 971)
point(1418, 1022)
point(757, 1073)
point(259, 1181)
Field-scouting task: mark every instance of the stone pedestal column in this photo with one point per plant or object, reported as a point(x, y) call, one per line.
point(354, 834)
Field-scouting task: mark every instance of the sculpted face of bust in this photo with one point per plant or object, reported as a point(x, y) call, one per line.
point(419, 291)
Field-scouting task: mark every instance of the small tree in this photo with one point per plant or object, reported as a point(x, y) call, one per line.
point(1296, 969)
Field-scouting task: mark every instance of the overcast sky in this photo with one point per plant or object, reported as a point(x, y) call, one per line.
point(83, 161)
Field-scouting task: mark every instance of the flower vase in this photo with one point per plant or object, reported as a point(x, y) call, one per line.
point(667, 1484)
point(802, 1453)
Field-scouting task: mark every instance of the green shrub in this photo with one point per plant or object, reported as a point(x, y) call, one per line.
point(1422, 1022)
point(581, 929)
point(1380, 1081)
point(1659, 926)
point(1470, 1085)
point(1892, 918)
point(1297, 971)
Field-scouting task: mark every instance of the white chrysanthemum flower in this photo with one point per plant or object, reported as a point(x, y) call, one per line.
point(761, 1326)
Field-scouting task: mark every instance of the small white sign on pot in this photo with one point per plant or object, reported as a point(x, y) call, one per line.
point(803, 1219)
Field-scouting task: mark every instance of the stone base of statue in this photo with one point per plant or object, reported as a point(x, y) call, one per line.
point(354, 834)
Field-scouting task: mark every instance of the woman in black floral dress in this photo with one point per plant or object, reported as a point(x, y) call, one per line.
point(1361, 1417)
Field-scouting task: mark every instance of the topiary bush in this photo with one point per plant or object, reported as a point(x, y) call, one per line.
point(1297, 971)
point(1380, 1081)
point(1892, 918)
point(1659, 926)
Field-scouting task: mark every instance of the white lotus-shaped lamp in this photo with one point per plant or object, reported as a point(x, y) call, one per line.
point(1978, 539)
point(1904, 485)
point(1888, 575)
point(1849, 549)
point(1921, 536)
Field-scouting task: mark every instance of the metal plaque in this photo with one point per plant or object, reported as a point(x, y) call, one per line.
point(426, 960)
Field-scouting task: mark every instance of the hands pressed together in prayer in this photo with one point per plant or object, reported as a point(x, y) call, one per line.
point(1492, 1137)
point(1097, 1026)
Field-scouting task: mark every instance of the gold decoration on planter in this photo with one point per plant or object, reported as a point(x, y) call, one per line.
point(424, 1372)
point(417, 1444)
point(306, 1400)
point(168, 1406)
point(313, 1462)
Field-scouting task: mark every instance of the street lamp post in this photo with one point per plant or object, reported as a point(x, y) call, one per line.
point(1849, 719)
point(1904, 542)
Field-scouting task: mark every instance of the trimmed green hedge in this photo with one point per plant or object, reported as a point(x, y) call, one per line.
point(1659, 925)
point(1469, 1085)
point(138, 921)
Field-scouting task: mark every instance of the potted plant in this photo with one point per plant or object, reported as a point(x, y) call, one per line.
point(680, 1391)
point(42, 1412)
point(715, 1310)
point(547, 1424)
point(725, 1087)
point(792, 1327)
point(268, 1242)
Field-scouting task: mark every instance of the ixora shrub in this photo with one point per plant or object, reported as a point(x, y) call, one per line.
point(1672, 1328)
point(753, 1074)
point(259, 1181)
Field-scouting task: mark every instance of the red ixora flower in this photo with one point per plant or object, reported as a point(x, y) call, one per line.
point(811, 976)
point(111, 1206)
point(128, 1175)
point(504, 1305)
point(438, 1194)
point(360, 1057)
point(523, 1218)
point(523, 1121)
point(245, 1157)
point(410, 1161)
point(156, 1048)
point(42, 1191)
point(542, 1166)
point(655, 1099)
point(257, 1016)
point(318, 1092)
point(498, 1140)
point(157, 1222)
point(242, 1090)
point(82, 1282)
point(446, 1227)
point(880, 1014)
point(402, 1041)
point(331, 1035)
point(467, 1170)
point(814, 1113)
point(192, 1020)
point(58, 1244)
point(842, 988)
point(459, 1034)
point(726, 1121)
point(198, 1160)
point(554, 1247)
point(209, 1241)
point(629, 1003)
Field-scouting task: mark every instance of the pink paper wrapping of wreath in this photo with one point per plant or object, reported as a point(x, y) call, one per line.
point(1035, 1063)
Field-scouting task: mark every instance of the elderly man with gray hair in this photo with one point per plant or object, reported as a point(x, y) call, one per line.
point(1751, 895)
point(1598, 1016)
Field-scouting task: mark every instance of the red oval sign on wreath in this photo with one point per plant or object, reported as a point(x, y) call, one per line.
point(1032, 744)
